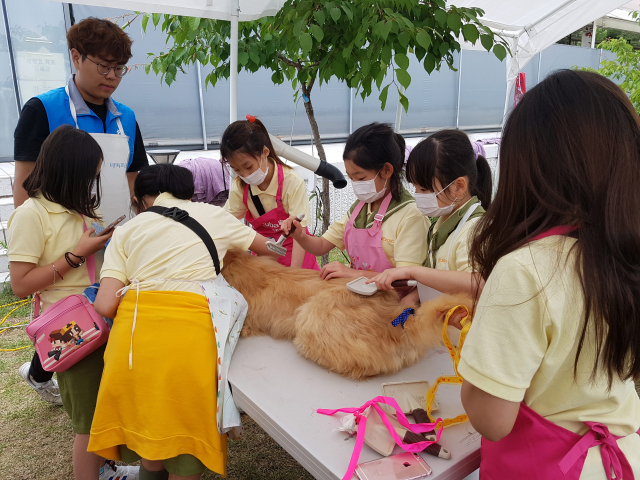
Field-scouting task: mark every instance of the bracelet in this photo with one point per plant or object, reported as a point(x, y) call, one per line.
point(71, 263)
point(77, 256)
point(55, 272)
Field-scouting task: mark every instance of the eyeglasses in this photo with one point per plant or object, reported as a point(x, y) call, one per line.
point(104, 69)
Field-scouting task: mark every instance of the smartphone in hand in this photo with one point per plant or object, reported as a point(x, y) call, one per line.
point(111, 226)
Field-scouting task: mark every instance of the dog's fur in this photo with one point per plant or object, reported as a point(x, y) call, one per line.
point(340, 330)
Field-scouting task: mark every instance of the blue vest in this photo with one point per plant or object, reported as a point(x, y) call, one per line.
point(56, 104)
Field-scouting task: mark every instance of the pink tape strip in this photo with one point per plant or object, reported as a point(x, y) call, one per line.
point(402, 419)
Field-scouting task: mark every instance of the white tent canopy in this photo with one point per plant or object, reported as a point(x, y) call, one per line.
point(531, 26)
point(232, 10)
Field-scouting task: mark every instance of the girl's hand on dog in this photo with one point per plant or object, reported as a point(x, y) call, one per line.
point(338, 270)
point(383, 280)
point(288, 223)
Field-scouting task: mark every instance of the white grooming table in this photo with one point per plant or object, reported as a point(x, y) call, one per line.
point(281, 391)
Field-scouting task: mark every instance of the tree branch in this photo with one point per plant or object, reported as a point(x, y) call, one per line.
point(289, 62)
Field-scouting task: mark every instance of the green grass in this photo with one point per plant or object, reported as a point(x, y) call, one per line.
point(335, 255)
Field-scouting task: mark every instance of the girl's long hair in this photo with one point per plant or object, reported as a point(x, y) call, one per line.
point(65, 171)
point(570, 155)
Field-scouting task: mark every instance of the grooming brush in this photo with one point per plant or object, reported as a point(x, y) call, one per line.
point(276, 247)
point(360, 287)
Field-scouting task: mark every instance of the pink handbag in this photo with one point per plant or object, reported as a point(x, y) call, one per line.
point(69, 330)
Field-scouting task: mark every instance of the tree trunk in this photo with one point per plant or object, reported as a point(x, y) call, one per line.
point(324, 195)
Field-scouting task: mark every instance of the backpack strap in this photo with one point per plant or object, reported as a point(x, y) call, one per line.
point(182, 216)
point(256, 202)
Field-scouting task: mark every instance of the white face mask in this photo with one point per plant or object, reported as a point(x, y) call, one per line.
point(257, 177)
point(427, 203)
point(366, 190)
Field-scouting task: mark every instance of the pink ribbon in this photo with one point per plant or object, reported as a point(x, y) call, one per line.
point(361, 420)
point(610, 452)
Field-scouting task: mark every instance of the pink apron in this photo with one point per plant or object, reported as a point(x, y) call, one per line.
point(539, 449)
point(269, 224)
point(364, 245)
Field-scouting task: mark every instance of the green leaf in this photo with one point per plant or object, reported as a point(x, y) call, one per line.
point(404, 101)
point(444, 48)
point(335, 14)
point(316, 32)
point(348, 11)
point(402, 61)
point(243, 58)
point(383, 96)
point(454, 22)
point(319, 16)
point(147, 67)
point(487, 42)
point(364, 66)
point(202, 57)
point(403, 39)
point(145, 20)
point(403, 77)
point(470, 33)
point(441, 17)
point(194, 23)
point(346, 53)
point(429, 62)
point(424, 39)
point(385, 56)
point(499, 51)
point(156, 19)
point(386, 28)
point(305, 42)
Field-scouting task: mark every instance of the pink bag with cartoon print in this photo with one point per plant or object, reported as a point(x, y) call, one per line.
point(69, 330)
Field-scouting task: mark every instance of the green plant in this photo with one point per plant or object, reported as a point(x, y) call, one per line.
point(625, 68)
point(363, 43)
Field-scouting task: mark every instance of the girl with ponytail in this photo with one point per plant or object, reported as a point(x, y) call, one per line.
point(266, 191)
point(383, 228)
point(453, 188)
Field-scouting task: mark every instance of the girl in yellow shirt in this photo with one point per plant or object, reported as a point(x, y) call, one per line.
point(551, 357)
point(47, 253)
point(453, 187)
point(266, 191)
point(383, 228)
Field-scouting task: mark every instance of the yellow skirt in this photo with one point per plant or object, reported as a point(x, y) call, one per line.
point(166, 404)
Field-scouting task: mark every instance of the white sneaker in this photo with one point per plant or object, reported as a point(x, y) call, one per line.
point(48, 391)
point(111, 471)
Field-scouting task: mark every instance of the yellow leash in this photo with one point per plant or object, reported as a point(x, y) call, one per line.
point(19, 304)
point(454, 353)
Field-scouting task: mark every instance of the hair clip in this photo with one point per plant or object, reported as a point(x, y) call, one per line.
point(251, 118)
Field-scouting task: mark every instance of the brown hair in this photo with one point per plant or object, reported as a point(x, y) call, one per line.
point(65, 171)
point(448, 155)
point(243, 136)
point(97, 37)
point(570, 155)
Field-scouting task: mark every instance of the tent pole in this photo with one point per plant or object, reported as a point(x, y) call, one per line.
point(593, 35)
point(233, 62)
point(202, 122)
point(459, 90)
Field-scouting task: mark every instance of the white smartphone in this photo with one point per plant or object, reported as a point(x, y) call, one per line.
point(404, 466)
point(111, 226)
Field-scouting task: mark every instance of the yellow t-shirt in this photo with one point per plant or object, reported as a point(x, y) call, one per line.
point(522, 346)
point(152, 248)
point(458, 254)
point(295, 199)
point(404, 235)
point(41, 232)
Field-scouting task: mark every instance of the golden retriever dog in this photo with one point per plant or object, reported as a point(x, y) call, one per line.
point(347, 333)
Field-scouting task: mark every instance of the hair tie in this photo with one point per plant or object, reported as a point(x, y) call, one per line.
point(251, 118)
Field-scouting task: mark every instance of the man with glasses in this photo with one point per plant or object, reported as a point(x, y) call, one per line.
point(99, 51)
